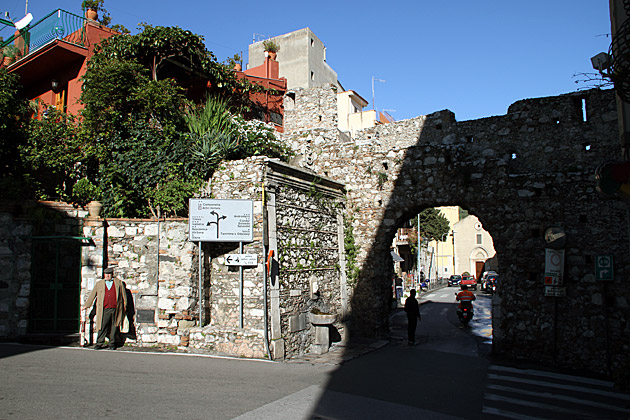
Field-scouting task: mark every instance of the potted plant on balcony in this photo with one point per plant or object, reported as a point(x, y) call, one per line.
point(88, 195)
point(92, 7)
point(271, 48)
point(10, 53)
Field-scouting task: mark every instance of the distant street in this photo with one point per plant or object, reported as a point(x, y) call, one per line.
point(449, 374)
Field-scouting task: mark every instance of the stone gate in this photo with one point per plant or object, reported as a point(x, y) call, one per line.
point(520, 174)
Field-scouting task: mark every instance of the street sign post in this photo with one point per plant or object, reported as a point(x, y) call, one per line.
point(604, 268)
point(241, 259)
point(220, 220)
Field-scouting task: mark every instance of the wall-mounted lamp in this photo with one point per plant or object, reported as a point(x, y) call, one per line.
point(601, 62)
point(54, 84)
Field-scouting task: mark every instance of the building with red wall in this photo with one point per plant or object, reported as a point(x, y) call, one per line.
point(53, 57)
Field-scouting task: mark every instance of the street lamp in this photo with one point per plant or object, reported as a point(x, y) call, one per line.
point(453, 232)
point(438, 255)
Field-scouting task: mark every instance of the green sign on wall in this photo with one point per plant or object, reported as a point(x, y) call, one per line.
point(604, 268)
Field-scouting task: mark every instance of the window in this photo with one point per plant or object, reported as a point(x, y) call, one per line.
point(312, 75)
point(479, 241)
point(61, 98)
point(275, 118)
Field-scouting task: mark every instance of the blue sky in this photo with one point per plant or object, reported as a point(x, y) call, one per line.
point(472, 57)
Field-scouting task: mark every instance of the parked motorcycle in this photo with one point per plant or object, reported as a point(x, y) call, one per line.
point(491, 285)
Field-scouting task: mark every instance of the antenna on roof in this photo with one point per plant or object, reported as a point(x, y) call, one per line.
point(378, 80)
point(20, 24)
point(23, 23)
point(258, 37)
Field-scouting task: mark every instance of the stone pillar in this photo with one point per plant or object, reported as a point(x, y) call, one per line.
point(277, 342)
point(343, 280)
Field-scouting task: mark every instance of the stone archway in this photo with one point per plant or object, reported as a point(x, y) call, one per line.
point(519, 174)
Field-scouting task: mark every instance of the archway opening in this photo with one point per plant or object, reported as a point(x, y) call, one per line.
point(435, 249)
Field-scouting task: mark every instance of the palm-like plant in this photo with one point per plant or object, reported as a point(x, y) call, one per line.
point(213, 133)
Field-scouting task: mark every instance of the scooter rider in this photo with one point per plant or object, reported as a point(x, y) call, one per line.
point(465, 298)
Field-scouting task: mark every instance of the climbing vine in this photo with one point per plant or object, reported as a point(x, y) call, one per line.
point(352, 249)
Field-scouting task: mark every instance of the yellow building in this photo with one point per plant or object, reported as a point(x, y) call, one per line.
point(443, 261)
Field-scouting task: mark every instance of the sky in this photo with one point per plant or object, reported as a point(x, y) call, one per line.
point(474, 58)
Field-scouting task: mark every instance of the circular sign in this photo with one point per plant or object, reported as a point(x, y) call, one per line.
point(555, 237)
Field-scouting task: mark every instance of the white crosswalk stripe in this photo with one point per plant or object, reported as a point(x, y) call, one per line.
point(527, 394)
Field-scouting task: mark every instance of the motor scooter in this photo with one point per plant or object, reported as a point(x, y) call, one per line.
point(465, 313)
point(424, 286)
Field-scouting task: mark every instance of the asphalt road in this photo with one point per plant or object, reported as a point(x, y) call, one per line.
point(449, 374)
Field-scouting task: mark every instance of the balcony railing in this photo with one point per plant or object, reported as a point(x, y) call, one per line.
point(57, 25)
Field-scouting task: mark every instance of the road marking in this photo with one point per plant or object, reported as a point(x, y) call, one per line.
point(559, 386)
point(549, 396)
point(581, 401)
point(508, 414)
point(552, 375)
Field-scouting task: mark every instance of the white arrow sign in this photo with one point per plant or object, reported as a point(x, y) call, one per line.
point(241, 259)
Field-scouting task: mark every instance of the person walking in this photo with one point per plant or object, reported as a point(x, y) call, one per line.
point(399, 290)
point(111, 304)
point(413, 315)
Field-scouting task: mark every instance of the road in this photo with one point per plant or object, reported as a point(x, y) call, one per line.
point(449, 374)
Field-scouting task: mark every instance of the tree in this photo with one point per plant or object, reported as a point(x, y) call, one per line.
point(156, 146)
point(136, 124)
point(14, 121)
point(55, 156)
point(433, 224)
point(172, 52)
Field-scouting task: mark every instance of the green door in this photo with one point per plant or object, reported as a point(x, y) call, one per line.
point(55, 285)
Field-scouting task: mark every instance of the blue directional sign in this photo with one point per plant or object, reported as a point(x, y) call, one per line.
point(604, 268)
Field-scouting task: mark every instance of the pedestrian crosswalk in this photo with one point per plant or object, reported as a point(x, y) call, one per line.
point(527, 394)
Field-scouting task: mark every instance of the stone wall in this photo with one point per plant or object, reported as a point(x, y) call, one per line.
point(15, 275)
point(303, 217)
point(306, 109)
point(308, 259)
point(519, 174)
point(141, 252)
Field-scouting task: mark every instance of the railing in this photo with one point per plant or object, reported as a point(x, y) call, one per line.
point(57, 25)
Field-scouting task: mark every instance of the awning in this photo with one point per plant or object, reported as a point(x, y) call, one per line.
point(396, 257)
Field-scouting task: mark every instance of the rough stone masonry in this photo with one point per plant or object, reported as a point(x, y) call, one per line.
point(519, 173)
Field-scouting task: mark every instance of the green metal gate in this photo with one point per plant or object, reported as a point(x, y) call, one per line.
point(55, 284)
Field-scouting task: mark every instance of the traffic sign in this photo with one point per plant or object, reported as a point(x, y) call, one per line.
point(212, 220)
point(554, 267)
point(604, 268)
point(241, 259)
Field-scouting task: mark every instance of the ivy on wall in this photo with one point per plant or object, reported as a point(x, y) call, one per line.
point(351, 248)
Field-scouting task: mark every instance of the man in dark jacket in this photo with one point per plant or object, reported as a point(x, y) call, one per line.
point(413, 315)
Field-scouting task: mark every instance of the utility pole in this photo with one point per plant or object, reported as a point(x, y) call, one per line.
point(418, 256)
